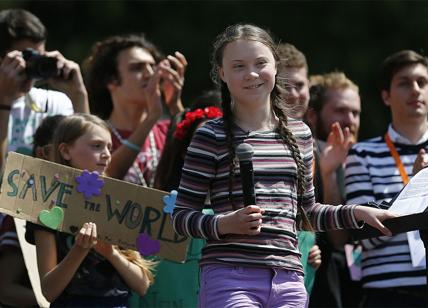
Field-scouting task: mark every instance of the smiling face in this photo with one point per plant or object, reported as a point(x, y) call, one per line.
point(249, 69)
point(91, 151)
point(135, 67)
point(408, 93)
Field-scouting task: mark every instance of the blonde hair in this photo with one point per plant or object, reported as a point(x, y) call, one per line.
point(146, 266)
point(333, 80)
point(68, 131)
point(320, 84)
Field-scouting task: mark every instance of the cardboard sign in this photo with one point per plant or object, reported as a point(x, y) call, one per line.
point(63, 198)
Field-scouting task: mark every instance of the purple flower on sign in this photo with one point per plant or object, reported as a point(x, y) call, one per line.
point(89, 184)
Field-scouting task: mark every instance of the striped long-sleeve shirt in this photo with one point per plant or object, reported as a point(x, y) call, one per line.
point(206, 169)
point(372, 175)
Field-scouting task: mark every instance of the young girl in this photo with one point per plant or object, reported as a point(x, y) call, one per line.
point(251, 258)
point(87, 272)
point(178, 283)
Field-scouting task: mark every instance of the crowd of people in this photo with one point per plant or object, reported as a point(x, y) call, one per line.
point(312, 175)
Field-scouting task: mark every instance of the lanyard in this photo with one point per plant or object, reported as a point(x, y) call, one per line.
point(397, 159)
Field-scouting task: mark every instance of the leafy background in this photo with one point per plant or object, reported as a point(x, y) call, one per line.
point(350, 36)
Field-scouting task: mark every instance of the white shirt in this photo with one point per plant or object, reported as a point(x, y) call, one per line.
point(29, 111)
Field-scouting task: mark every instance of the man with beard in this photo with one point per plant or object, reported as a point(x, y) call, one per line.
point(334, 117)
point(378, 168)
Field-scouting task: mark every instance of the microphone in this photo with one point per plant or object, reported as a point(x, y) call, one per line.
point(245, 152)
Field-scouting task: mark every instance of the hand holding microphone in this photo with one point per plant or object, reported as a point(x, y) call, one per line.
point(248, 219)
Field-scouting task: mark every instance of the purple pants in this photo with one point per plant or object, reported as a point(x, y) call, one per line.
point(242, 286)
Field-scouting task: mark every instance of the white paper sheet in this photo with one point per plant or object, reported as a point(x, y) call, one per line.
point(411, 200)
point(414, 196)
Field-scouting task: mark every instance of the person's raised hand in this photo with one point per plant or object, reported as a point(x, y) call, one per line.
point(338, 144)
point(173, 69)
point(421, 161)
point(12, 76)
point(70, 79)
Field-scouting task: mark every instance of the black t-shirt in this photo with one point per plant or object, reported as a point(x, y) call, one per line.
point(95, 277)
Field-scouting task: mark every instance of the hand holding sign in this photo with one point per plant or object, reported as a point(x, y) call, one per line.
point(87, 236)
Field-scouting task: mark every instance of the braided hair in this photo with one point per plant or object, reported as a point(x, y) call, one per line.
point(253, 33)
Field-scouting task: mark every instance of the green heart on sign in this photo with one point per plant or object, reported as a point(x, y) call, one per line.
point(53, 218)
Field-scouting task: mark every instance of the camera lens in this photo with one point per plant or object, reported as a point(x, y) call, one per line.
point(39, 66)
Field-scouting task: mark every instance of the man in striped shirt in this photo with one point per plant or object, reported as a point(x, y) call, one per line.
point(374, 172)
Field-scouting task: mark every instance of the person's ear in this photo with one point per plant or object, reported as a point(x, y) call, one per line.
point(221, 74)
point(64, 151)
point(113, 83)
point(385, 97)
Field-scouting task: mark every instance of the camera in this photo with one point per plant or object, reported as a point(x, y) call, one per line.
point(39, 66)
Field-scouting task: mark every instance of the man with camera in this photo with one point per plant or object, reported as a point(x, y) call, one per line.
point(23, 62)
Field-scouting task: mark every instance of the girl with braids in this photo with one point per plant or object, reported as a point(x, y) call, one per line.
point(251, 257)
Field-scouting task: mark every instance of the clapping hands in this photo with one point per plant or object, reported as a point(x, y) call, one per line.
point(172, 73)
point(338, 144)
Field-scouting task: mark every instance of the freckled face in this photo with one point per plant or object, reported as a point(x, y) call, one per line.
point(248, 69)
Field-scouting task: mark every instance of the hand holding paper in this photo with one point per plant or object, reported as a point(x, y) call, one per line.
point(374, 217)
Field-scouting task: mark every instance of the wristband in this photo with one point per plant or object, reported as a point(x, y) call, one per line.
point(131, 146)
point(5, 107)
